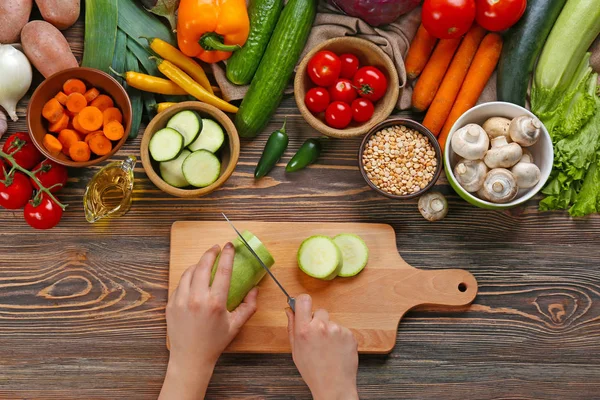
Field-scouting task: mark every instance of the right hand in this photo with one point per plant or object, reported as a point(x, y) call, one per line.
point(325, 353)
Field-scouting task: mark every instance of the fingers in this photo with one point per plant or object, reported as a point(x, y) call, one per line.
point(201, 275)
point(245, 311)
point(303, 311)
point(183, 289)
point(290, 329)
point(220, 285)
point(321, 315)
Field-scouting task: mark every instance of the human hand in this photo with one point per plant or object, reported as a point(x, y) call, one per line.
point(199, 325)
point(325, 353)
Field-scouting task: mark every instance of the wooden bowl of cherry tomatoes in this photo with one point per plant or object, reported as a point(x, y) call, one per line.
point(345, 86)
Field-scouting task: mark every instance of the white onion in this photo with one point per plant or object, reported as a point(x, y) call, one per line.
point(15, 78)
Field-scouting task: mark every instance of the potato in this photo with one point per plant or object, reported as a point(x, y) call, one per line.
point(46, 48)
point(60, 13)
point(14, 14)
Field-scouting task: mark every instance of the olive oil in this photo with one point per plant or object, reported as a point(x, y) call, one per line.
point(110, 191)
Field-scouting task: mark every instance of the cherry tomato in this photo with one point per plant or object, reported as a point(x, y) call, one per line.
point(362, 110)
point(45, 215)
point(498, 15)
point(370, 83)
point(19, 146)
point(342, 90)
point(338, 115)
point(15, 191)
point(350, 65)
point(446, 19)
point(50, 174)
point(324, 68)
point(317, 99)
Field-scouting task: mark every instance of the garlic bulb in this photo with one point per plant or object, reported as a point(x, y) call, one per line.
point(15, 78)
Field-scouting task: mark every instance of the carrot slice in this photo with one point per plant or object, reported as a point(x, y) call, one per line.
point(78, 127)
point(114, 130)
point(90, 135)
point(91, 94)
point(102, 102)
point(76, 102)
point(74, 86)
point(112, 114)
point(53, 110)
point(100, 145)
point(67, 138)
point(59, 125)
point(61, 97)
point(90, 119)
point(52, 144)
point(80, 151)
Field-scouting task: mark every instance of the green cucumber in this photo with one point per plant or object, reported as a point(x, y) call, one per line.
point(319, 257)
point(211, 137)
point(247, 271)
point(165, 145)
point(355, 253)
point(188, 123)
point(522, 46)
point(201, 168)
point(171, 171)
point(276, 67)
point(263, 17)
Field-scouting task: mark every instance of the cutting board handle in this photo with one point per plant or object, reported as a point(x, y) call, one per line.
point(444, 287)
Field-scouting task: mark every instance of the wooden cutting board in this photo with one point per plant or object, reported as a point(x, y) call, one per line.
point(370, 304)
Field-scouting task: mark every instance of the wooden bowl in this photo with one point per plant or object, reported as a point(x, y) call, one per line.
point(229, 152)
point(368, 54)
point(105, 83)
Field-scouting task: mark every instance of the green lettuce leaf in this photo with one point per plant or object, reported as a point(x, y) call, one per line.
point(588, 198)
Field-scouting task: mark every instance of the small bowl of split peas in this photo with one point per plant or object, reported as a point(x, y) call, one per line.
point(79, 117)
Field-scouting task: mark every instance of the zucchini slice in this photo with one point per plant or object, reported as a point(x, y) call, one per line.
point(354, 252)
point(211, 137)
point(201, 168)
point(319, 257)
point(165, 145)
point(171, 171)
point(188, 123)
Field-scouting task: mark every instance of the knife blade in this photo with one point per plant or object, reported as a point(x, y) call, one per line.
point(290, 300)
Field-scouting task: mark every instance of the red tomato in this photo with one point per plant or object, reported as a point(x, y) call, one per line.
point(342, 90)
point(338, 115)
point(49, 174)
point(15, 191)
point(350, 65)
point(362, 110)
point(370, 83)
point(324, 68)
point(448, 19)
point(317, 99)
point(498, 15)
point(19, 146)
point(45, 215)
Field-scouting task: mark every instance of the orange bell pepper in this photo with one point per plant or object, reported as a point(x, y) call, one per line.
point(212, 29)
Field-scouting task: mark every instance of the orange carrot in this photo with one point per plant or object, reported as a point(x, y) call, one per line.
point(52, 144)
point(74, 86)
point(61, 97)
point(100, 145)
point(78, 126)
point(52, 110)
point(80, 151)
point(59, 125)
point(102, 102)
point(446, 94)
point(90, 135)
point(91, 94)
point(479, 74)
point(67, 137)
point(112, 114)
point(419, 52)
point(432, 75)
point(76, 102)
point(90, 119)
point(114, 130)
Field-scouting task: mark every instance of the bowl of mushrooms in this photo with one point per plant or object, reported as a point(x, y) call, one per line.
point(498, 155)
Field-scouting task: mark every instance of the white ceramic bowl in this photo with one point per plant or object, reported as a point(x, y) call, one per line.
point(543, 152)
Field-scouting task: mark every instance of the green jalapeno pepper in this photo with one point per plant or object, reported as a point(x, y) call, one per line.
point(306, 155)
point(276, 145)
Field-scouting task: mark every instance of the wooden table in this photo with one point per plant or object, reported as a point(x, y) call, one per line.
point(82, 306)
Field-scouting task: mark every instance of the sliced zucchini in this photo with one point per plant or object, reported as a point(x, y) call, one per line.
point(319, 257)
point(171, 171)
point(211, 137)
point(354, 252)
point(201, 168)
point(188, 123)
point(165, 145)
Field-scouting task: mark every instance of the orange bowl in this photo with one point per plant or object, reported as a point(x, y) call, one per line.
point(106, 84)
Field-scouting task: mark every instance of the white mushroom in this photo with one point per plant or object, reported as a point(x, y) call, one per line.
point(470, 142)
point(525, 130)
point(470, 174)
point(497, 126)
point(433, 206)
point(502, 154)
point(499, 186)
point(526, 172)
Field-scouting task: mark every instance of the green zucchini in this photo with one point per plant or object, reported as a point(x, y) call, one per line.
point(522, 46)
point(263, 17)
point(276, 67)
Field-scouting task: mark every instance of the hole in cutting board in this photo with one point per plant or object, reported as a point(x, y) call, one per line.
point(462, 287)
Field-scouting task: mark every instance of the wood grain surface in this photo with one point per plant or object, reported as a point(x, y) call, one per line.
point(82, 306)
